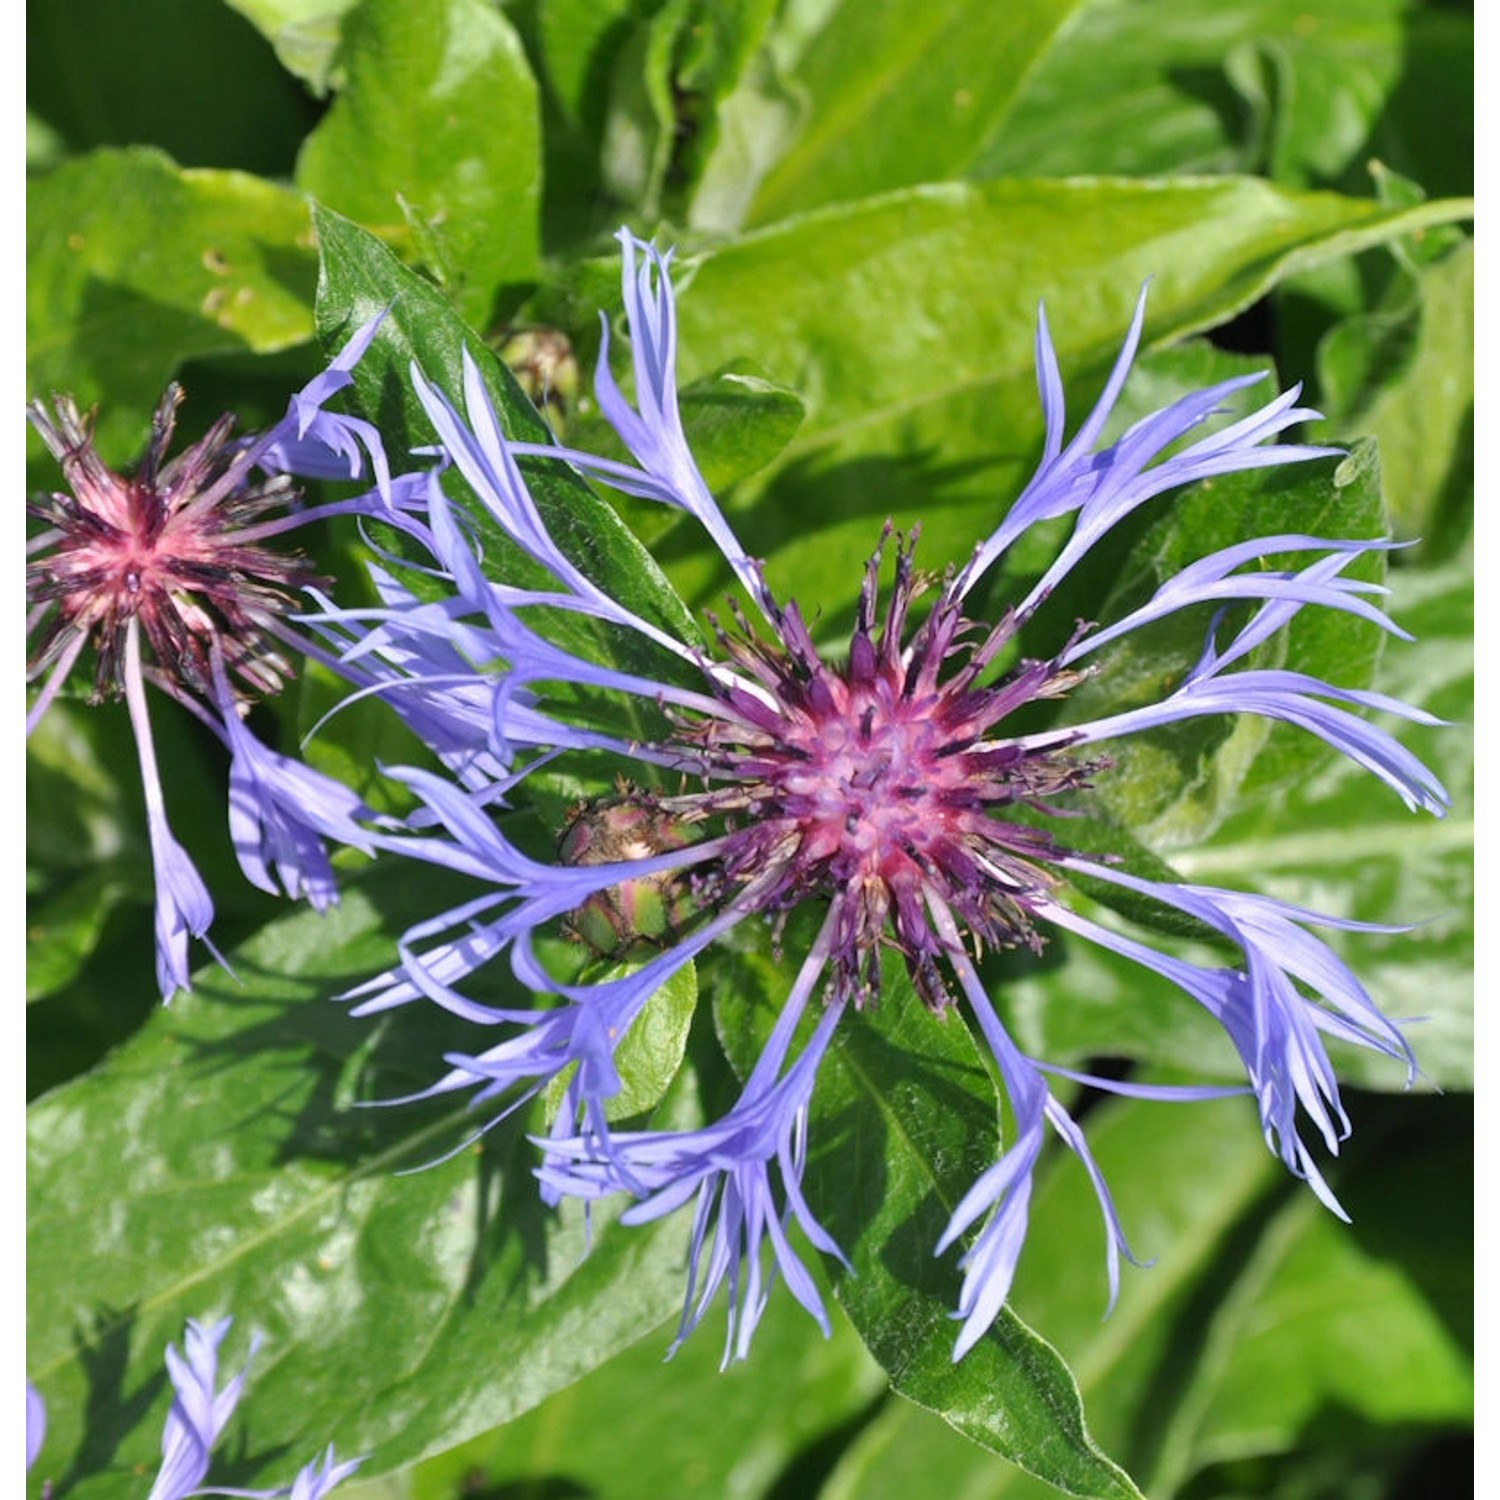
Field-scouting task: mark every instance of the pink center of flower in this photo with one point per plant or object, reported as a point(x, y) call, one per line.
point(881, 785)
point(164, 548)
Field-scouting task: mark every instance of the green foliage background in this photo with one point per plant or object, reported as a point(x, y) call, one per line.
point(869, 199)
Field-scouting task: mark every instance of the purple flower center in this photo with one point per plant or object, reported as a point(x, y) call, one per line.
point(880, 783)
point(169, 547)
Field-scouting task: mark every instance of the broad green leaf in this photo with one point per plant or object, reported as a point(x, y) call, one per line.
point(1362, 1331)
point(903, 1121)
point(219, 1163)
point(704, 1431)
point(1259, 1314)
point(1376, 78)
point(668, 79)
point(1135, 88)
point(1407, 376)
point(111, 996)
point(578, 40)
point(907, 322)
point(305, 34)
point(192, 79)
point(636, 145)
point(650, 1056)
point(754, 124)
point(45, 147)
point(737, 421)
point(576, 47)
point(1307, 95)
point(89, 959)
point(78, 807)
point(721, 42)
point(136, 266)
point(668, 84)
point(90, 879)
point(898, 92)
point(433, 143)
point(63, 930)
point(1426, 130)
point(1182, 1177)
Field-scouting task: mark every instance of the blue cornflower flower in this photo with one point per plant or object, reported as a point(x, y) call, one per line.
point(876, 788)
point(166, 574)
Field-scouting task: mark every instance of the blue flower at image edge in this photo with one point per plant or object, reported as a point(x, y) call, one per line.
point(199, 1412)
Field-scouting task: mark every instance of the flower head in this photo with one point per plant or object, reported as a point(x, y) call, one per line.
point(172, 574)
point(887, 786)
point(165, 547)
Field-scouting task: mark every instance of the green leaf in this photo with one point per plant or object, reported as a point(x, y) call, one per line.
point(722, 43)
point(650, 1056)
point(1407, 376)
point(1136, 88)
point(433, 143)
point(1179, 1193)
point(192, 79)
point(907, 325)
point(1260, 1311)
point(136, 266)
point(640, 127)
point(577, 42)
point(63, 930)
point(1184, 1177)
point(737, 421)
point(1372, 78)
point(45, 147)
point(576, 47)
point(703, 1430)
point(305, 34)
point(217, 1164)
point(1360, 1329)
point(1261, 1324)
point(753, 125)
point(668, 79)
point(78, 810)
point(898, 92)
point(1308, 96)
point(903, 1122)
